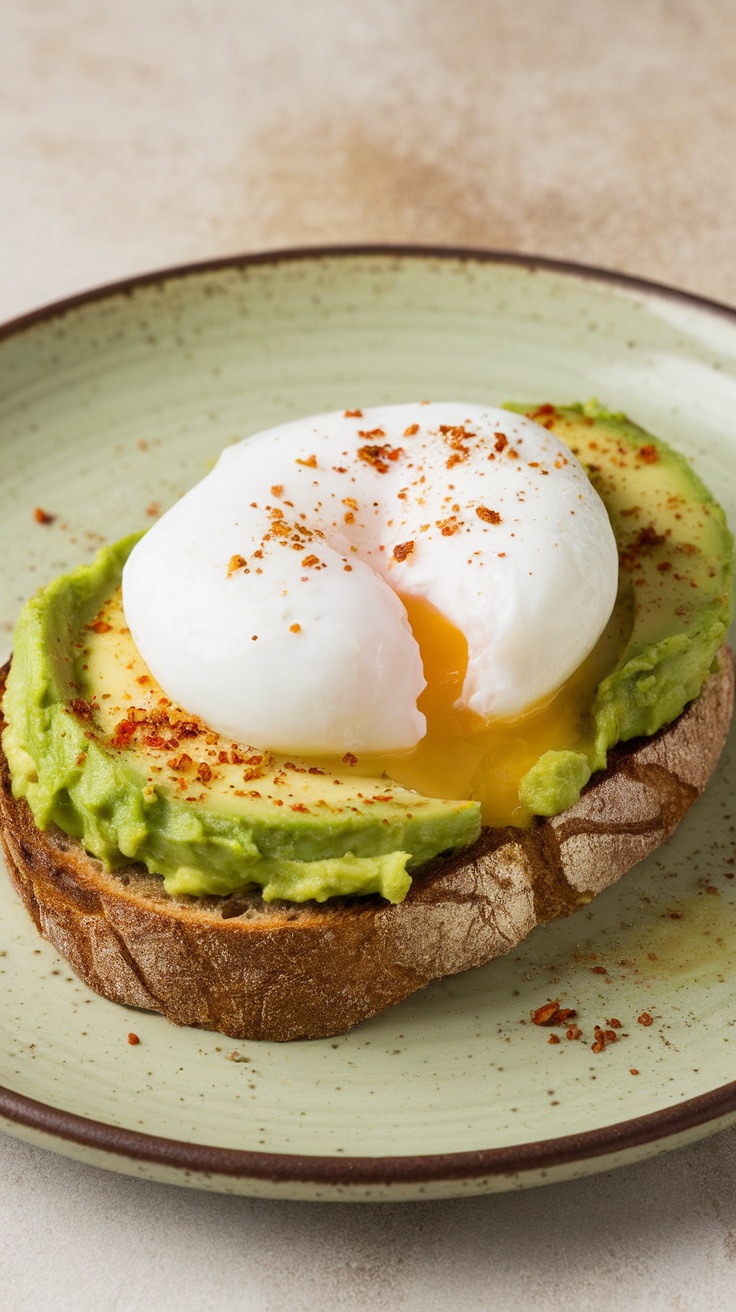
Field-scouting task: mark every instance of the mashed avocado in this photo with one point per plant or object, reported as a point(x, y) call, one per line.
point(675, 575)
point(96, 748)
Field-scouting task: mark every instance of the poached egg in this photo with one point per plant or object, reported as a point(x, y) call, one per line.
point(364, 582)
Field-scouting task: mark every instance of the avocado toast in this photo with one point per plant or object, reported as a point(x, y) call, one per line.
point(215, 951)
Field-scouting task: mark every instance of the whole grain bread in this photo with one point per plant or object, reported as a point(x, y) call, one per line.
point(256, 970)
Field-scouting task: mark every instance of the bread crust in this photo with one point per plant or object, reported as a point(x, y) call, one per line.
point(256, 970)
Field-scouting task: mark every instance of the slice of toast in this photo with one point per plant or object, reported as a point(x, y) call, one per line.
point(257, 970)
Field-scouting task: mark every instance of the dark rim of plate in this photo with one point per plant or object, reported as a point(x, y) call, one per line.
point(540, 1157)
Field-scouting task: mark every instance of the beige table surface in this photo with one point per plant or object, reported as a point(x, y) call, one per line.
point(153, 132)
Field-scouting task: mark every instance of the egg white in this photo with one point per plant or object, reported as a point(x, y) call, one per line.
point(320, 658)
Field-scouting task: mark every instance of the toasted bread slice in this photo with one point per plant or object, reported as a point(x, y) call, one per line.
point(257, 970)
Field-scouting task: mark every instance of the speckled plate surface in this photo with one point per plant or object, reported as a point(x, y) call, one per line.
point(110, 407)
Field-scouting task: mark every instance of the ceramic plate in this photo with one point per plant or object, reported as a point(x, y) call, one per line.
point(113, 404)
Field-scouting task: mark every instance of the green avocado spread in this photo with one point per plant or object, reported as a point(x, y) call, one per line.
point(96, 748)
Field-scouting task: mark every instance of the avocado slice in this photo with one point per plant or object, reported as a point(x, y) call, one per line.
point(95, 749)
point(675, 578)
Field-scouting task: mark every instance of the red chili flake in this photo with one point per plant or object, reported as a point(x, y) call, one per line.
point(599, 1041)
point(633, 1071)
point(299, 806)
point(599, 970)
point(610, 1036)
point(204, 772)
point(378, 456)
point(81, 758)
point(310, 462)
point(155, 740)
point(488, 516)
point(81, 708)
point(133, 1039)
point(181, 762)
point(187, 729)
point(100, 626)
point(43, 516)
point(645, 1019)
point(649, 537)
point(545, 1015)
point(553, 1014)
point(234, 563)
point(411, 430)
point(501, 442)
point(295, 628)
point(574, 1032)
point(143, 678)
point(123, 733)
point(614, 1023)
point(541, 410)
point(403, 549)
point(310, 561)
point(553, 1038)
point(353, 414)
point(646, 540)
point(454, 436)
point(448, 527)
point(153, 510)
point(349, 759)
point(648, 453)
point(277, 490)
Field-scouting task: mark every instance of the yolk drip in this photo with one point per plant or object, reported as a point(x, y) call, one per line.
point(462, 756)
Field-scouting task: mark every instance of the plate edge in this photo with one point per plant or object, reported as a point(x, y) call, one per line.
point(291, 254)
point(418, 1168)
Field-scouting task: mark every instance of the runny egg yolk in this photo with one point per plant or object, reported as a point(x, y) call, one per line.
point(462, 756)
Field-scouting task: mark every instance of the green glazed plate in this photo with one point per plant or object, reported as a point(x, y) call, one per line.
point(111, 405)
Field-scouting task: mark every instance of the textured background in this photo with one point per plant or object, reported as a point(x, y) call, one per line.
point(144, 134)
point(140, 134)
